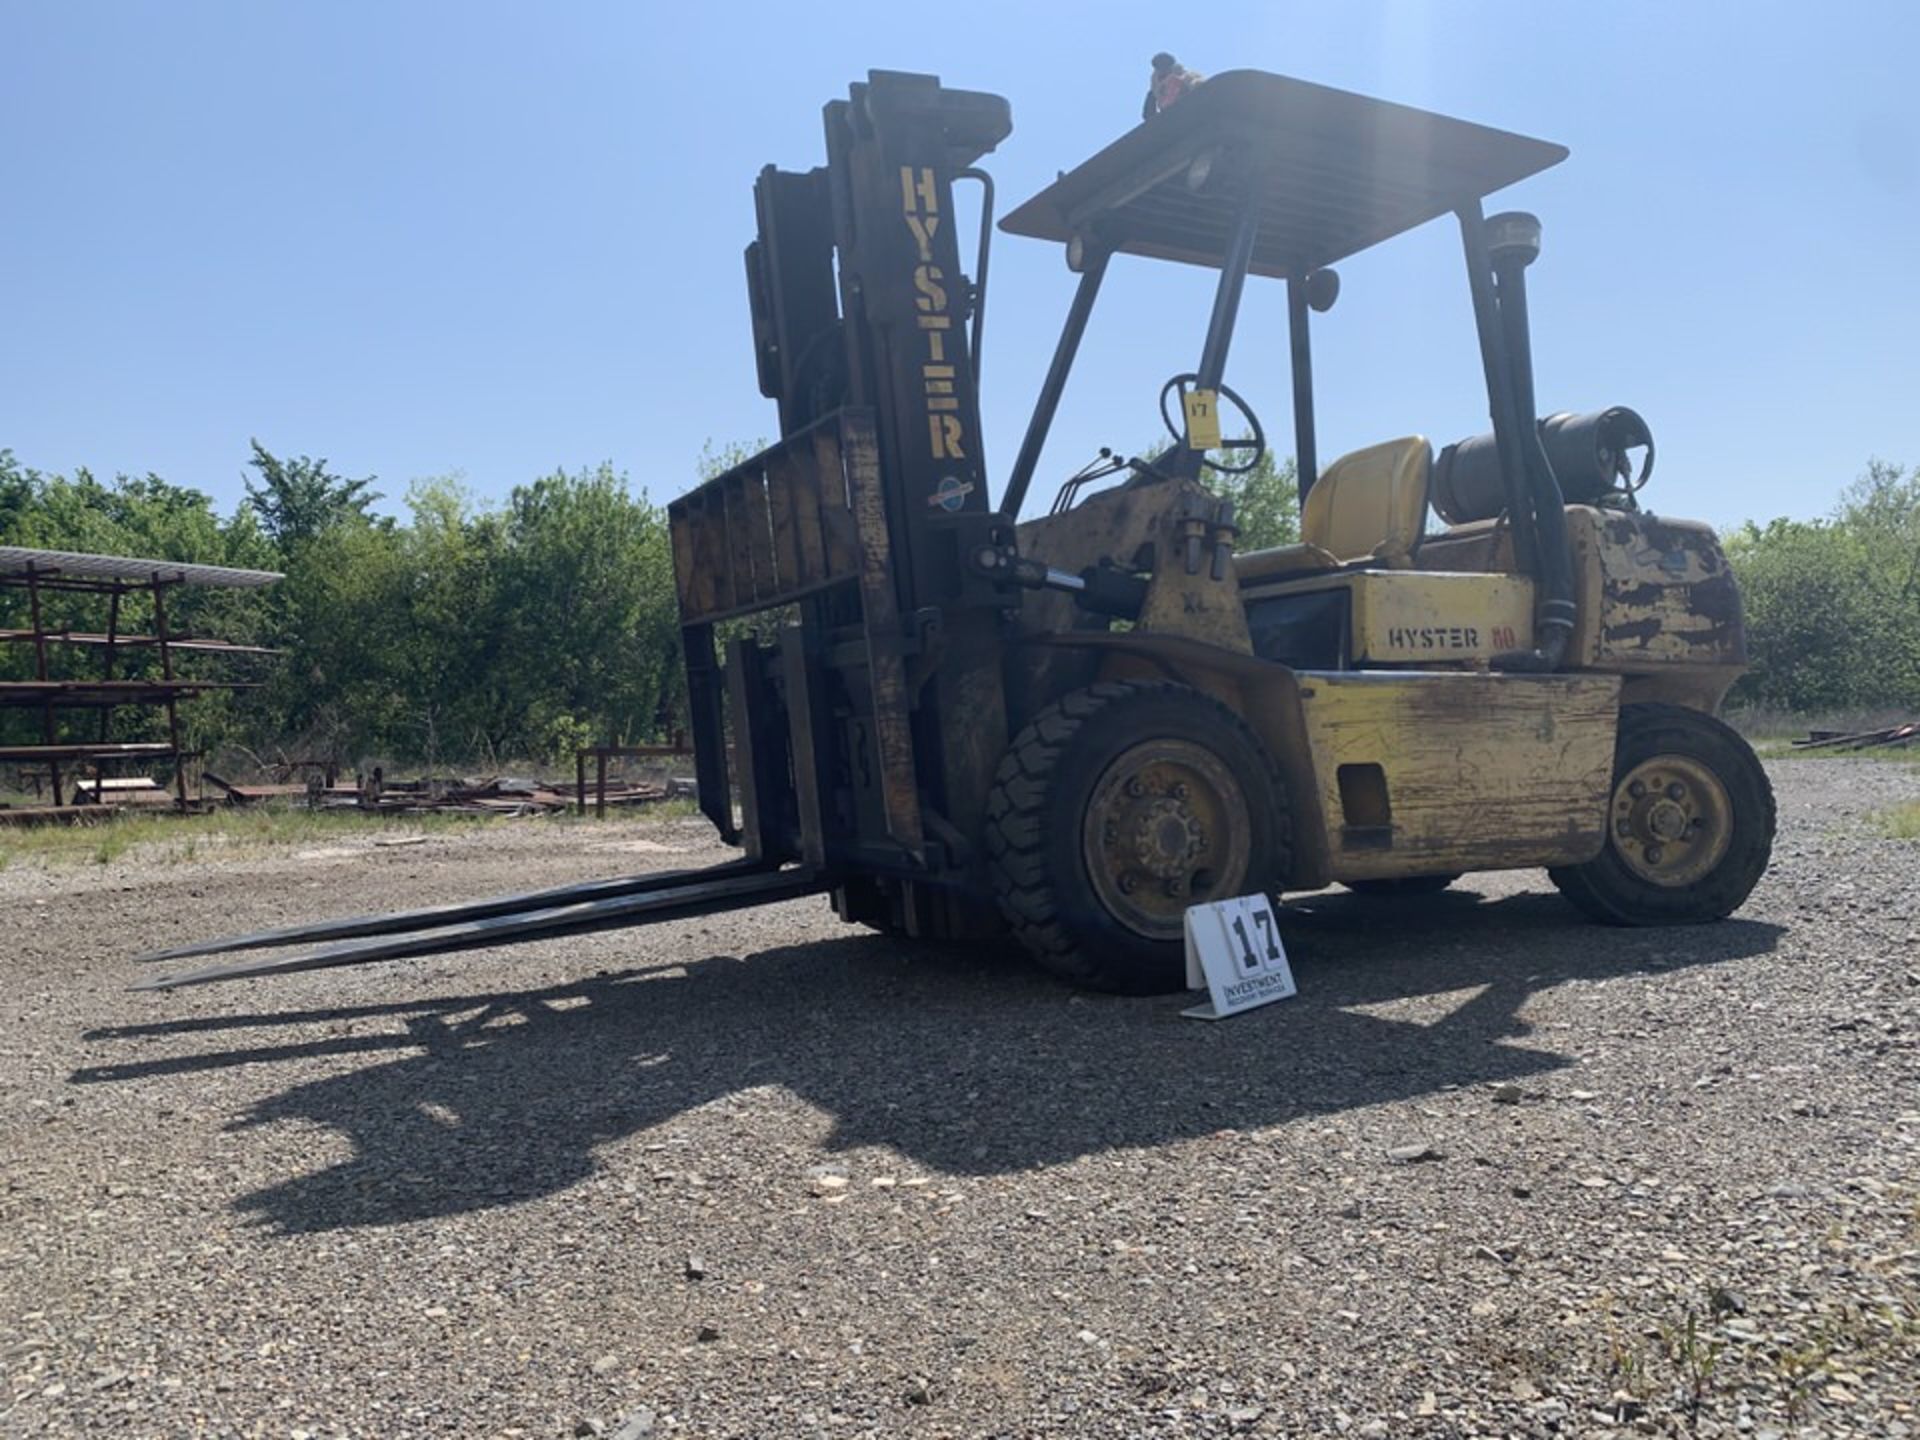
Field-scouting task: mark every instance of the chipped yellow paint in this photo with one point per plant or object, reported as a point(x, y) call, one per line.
point(1196, 605)
point(1480, 771)
point(1655, 599)
point(1652, 593)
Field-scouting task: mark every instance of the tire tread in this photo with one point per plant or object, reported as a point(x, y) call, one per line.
point(1017, 813)
point(1604, 890)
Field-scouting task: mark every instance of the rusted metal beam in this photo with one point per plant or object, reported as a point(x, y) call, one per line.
point(122, 748)
point(77, 637)
point(90, 693)
point(170, 700)
point(40, 670)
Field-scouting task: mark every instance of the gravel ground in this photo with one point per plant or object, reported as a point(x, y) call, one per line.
point(765, 1175)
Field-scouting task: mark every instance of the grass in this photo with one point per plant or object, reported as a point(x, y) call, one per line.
point(1900, 823)
point(177, 839)
point(1787, 750)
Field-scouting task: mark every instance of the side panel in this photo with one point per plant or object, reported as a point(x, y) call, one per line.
point(1394, 617)
point(1435, 772)
point(1405, 616)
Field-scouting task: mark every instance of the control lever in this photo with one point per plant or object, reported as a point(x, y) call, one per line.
point(1104, 589)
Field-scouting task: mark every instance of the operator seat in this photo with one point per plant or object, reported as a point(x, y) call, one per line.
point(1367, 507)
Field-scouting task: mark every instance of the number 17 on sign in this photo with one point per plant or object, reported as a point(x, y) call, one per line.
point(1234, 949)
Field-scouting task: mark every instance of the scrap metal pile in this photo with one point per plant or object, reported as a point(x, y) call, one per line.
point(497, 795)
point(1887, 737)
point(452, 795)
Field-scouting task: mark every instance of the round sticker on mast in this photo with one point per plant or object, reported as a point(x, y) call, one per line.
point(951, 493)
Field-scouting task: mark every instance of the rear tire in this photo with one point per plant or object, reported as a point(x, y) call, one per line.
point(1401, 887)
point(1114, 810)
point(1689, 823)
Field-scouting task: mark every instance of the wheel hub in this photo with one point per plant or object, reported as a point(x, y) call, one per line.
point(1166, 826)
point(1166, 837)
point(1672, 820)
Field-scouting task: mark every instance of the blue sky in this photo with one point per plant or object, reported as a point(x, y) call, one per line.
point(495, 239)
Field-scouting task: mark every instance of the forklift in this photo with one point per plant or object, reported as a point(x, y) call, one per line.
point(1068, 730)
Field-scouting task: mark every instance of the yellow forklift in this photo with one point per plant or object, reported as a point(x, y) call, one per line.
point(1071, 729)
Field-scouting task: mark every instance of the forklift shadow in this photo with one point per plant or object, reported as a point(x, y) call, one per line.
point(960, 1061)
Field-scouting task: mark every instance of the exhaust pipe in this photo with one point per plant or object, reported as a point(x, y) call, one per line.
point(1513, 243)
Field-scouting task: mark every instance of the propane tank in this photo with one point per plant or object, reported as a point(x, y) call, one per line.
point(1588, 454)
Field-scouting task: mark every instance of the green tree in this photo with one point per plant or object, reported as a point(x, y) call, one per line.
point(1266, 502)
point(1808, 615)
point(586, 616)
point(344, 685)
point(298, 499)
point(452, 554)
point(1833, 606)
point(1266, 499)
point(16, 493)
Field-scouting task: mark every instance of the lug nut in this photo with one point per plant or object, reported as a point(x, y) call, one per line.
point(1637, 790)
point(1179, 792)
point(1135, 787)
point(1654, 852)
point(1676, 791)
point(1128, 884)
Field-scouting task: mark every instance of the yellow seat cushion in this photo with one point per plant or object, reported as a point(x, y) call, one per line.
point(1371, 504)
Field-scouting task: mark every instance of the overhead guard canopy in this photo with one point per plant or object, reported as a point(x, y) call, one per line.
point(1340, 172)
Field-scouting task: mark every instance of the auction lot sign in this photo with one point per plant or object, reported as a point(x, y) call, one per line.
point(1234, 949)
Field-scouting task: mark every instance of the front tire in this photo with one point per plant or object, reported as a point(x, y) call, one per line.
point(1689, 823)
point(1117, 808)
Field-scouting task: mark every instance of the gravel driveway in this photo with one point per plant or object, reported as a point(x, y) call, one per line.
point(766, 1175)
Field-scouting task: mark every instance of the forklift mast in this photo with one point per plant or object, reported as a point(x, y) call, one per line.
point(849, 539)
point(882, 213)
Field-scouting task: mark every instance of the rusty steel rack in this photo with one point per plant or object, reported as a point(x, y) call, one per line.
point(44, 573)
point(677, 748)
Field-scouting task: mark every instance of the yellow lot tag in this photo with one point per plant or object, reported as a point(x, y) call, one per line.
point(1203, 420)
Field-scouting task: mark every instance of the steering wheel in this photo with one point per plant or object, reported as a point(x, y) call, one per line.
point(1255, 444)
